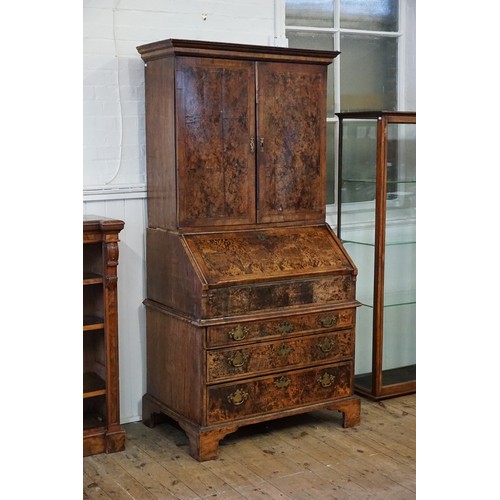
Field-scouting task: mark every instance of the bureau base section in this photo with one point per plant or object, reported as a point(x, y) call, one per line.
point(204, 440)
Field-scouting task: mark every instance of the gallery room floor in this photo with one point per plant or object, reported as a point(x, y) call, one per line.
point(305, 456)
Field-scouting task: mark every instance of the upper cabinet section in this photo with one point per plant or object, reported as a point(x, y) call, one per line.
point(235, 134)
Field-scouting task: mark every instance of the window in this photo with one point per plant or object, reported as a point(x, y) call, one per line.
point(366, 74)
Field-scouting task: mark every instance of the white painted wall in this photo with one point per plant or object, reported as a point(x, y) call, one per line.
point(409, 97)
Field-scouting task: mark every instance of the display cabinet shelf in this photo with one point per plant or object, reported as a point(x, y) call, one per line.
point(392, 299)
point(376, 222)
point(396, 239)
point(391, 378)
point(389, 182)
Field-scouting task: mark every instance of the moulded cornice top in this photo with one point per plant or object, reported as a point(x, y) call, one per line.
point(199, 48)
point(99, 223)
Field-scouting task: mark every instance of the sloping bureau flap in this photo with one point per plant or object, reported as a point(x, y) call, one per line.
point(243, 257)
point(231, 273)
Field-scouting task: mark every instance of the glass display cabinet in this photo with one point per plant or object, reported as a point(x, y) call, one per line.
point(377, 224)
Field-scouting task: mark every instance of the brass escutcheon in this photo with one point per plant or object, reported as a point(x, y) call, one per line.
point(252, 144)
point(285, 327)
point(282, 382)
point(326, 380)
point(326, 345)
point(238, 397)
point(237, 359)
point(238, 333)
point(328, 321)
point(284, 350)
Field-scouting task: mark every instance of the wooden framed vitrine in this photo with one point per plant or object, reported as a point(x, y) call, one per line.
point(377, 225)
point(101, 405)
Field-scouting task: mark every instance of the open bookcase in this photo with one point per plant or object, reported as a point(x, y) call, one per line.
point(101, 404)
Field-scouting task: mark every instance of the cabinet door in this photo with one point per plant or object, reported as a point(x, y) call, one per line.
point(215, 109)
point(291, 142)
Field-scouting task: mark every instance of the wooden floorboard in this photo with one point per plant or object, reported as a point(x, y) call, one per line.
point(307, 456)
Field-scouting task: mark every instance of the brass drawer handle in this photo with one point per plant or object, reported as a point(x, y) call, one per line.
point(238, 333)
point(326, 345)
point(326, 380)
point(238, 397)
point(283, 350)
point(328, 321)
point(282, 383)
point(237, 359)
point(285, 327)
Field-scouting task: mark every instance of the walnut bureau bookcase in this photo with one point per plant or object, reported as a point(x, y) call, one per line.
point(101, 404)
point(250, 295)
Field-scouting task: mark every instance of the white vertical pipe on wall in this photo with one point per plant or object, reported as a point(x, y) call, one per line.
point(280, 39)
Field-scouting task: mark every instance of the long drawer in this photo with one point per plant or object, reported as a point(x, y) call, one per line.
point(282, 354)
point(273, 393)
point(249, 331)
point(270, 296)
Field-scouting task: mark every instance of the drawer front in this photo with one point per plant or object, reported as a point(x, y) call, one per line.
point(244, 299)
point(284, 354)
point(240, 333)
point(278, 392)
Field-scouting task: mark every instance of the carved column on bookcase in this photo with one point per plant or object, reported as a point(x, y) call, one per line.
point(110, 256)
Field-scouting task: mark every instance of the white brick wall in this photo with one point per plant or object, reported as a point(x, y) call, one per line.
point(113, 105)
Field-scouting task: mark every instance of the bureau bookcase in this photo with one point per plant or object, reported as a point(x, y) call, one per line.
point(250, 295)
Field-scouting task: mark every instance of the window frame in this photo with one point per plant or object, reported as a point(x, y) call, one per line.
point(337, 31)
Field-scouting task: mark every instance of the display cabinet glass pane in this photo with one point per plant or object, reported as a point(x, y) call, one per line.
point(399, 320)
point(315, 13)
point(316, 41)
point(401, 170)
point(357, 199)
point(364, 347)
point(374, 15)
point(368, 72)
point(399, 358)
point(359, 154)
